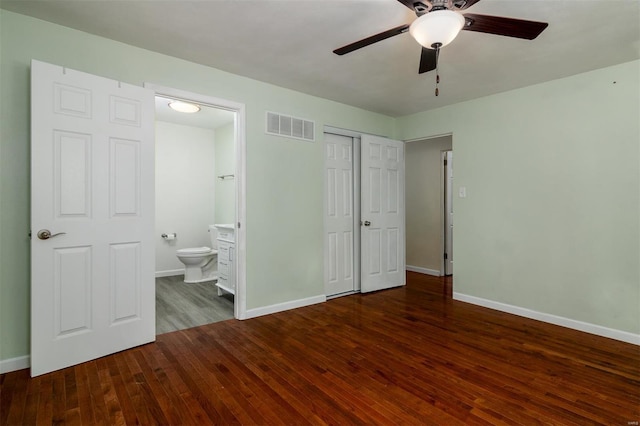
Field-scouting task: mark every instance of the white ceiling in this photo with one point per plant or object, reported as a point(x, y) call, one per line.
point(289, 43)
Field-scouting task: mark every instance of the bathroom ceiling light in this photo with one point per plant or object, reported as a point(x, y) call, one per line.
point(184, 107)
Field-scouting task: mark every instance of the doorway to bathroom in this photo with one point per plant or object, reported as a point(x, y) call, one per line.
point(199, 175)
point(93, 193)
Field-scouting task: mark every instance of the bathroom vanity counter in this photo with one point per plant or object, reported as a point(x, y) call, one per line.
point(226, 256)
point(225, 226)
point(226, 232)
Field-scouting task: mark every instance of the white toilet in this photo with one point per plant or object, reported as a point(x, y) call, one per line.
point(200, 263)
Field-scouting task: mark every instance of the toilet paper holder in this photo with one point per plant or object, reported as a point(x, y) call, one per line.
point(172, 236)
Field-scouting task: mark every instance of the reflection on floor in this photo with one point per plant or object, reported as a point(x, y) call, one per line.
point(180, 305)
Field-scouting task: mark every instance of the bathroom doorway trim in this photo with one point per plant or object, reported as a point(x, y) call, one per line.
point(240, 305)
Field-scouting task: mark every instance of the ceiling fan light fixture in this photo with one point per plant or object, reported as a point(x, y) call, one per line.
point(436, 27)
point(185, 107)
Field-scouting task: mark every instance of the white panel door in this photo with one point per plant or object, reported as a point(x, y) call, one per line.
point(382, 213)
point(92, 217)
point(339, 215)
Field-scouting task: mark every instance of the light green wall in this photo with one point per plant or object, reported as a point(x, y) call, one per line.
point(551, 221)
point(284, 176)
point(551, 218)
point(225, 209)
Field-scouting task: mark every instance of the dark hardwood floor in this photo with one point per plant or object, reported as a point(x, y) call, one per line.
point(406, 356)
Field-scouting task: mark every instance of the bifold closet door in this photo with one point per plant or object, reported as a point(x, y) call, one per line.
point(92, 217)
point(339, 215)
point(382, 213)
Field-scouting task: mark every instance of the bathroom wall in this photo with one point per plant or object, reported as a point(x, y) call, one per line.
point(225, 165)
point(424, 209)
point(185, 191)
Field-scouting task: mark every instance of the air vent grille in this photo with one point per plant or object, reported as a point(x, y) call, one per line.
point(290, 127)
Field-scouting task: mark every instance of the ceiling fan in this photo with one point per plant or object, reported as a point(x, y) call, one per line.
point(439, 22)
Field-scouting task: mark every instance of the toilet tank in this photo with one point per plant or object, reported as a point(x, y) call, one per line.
point(213, 236)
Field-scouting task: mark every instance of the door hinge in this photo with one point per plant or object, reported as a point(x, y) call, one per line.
point(445, 161)
point(238, 225)
point(446, 256)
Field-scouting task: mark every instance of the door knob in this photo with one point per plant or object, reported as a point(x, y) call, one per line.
point(45, 234)
point(367, 223)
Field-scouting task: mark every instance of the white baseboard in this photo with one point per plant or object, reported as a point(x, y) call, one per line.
point(279, 307)
point(425, 271)
point(169, 273)
point(14, 364)
point(598, 330)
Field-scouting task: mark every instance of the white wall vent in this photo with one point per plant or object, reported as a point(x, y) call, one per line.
point(291, 127)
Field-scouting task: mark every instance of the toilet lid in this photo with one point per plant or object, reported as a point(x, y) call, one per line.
point(194, 250)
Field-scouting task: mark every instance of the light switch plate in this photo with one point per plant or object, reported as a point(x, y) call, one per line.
point(462, 192)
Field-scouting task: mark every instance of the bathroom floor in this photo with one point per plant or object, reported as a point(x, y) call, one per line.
point(180, 305)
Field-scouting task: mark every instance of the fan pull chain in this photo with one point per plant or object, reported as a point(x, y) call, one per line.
point(437, 46)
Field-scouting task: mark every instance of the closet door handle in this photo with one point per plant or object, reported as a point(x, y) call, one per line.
point(367, 223)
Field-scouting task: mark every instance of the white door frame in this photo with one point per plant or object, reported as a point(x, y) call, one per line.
point(240, 305)
point(442, 177)
point(446, 193)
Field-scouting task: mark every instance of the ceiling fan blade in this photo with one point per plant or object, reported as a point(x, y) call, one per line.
point(428, 60)
point(464, 4)
point(370, 40)
point(499, 25)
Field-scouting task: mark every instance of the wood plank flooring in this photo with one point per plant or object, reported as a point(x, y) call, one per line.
point(180, 305)
point(406, 356)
